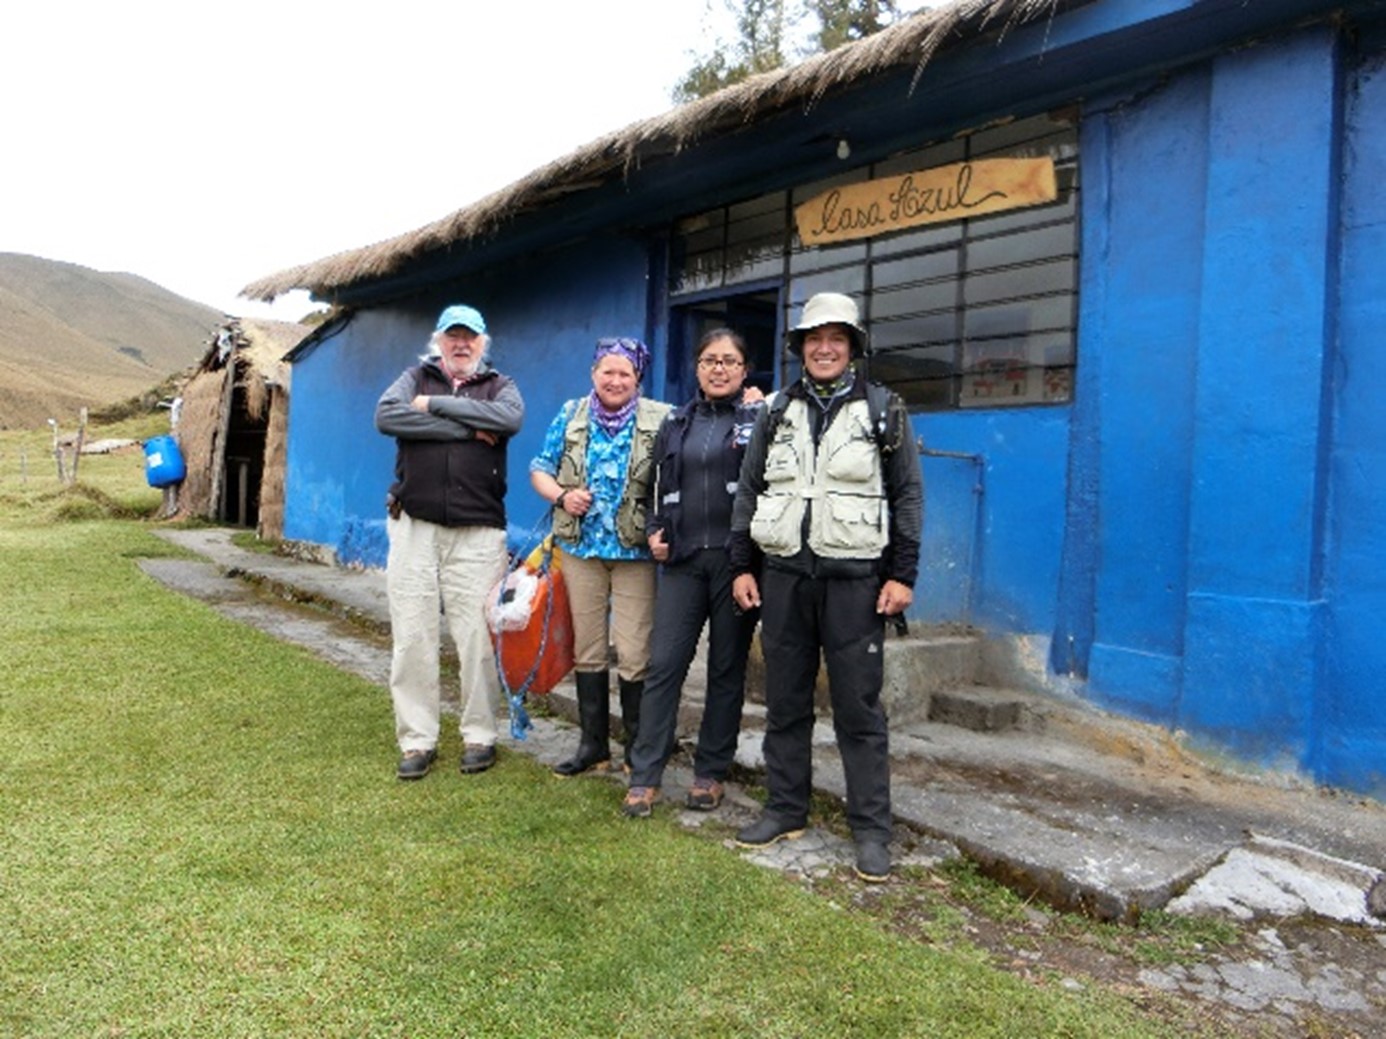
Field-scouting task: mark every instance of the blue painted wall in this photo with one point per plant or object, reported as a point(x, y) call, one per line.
point(544, 318)
point(997, 524)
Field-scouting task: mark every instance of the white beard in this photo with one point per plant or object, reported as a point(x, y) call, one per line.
point(457, 371)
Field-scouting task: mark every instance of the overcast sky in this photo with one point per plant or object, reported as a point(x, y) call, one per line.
point(205, 145)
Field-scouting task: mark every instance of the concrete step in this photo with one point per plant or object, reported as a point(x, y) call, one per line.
point(918, 666)
point(975, 707)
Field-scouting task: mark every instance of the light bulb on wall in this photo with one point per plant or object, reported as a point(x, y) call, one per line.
point(844, 150)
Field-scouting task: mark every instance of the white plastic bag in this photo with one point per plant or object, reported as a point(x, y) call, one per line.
point(512, 601)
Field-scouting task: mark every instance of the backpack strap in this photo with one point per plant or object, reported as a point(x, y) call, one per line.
point(878, 407)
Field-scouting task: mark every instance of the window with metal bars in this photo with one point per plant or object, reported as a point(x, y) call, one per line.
point(978, 312)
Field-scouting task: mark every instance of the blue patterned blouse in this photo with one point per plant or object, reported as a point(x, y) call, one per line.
point(608, 458)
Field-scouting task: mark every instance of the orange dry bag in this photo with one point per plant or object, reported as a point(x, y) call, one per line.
point(531, 624)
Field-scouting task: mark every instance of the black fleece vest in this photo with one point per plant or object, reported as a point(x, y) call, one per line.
point(454, 483)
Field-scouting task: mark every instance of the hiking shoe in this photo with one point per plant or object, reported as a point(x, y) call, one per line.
point(766, 830)
point(416, 763)
point(705, 794)
point(873, 861)
point(477, 758)
point(639, 802)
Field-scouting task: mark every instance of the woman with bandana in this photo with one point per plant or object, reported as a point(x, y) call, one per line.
point(594, 469)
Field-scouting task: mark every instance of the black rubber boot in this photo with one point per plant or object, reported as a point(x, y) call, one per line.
point(630, 714)
point(594, 718)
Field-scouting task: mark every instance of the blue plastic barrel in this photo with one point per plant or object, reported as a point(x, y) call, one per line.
point(163, 462)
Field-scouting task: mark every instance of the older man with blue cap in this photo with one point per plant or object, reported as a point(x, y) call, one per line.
point(452, 416)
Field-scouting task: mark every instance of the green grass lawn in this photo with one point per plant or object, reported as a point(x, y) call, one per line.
point(202, 836)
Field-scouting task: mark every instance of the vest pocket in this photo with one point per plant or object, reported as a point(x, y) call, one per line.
point(853, 460)
point(775, 525)
point(782, 461)
point(851, 524)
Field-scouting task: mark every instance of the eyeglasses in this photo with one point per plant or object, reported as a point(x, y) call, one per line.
point(729, 363)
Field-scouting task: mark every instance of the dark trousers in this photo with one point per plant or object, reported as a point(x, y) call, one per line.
point(691, 593)
point(800, 616)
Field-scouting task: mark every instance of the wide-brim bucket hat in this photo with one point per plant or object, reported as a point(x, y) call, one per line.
point(829, 308)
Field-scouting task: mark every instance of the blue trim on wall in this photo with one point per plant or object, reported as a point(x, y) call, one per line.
point(1071, 641)
point(1351, 712)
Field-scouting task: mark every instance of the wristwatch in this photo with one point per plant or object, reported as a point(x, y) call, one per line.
point(558, 502)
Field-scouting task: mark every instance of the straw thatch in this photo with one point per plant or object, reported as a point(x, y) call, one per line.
point(912, 42)
point(245, 356)
point(271, 524)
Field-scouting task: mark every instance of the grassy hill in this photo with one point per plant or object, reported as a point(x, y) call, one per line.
point(72, 337)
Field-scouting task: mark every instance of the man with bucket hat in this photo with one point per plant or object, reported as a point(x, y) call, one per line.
point(451, 415)
point(832, 497)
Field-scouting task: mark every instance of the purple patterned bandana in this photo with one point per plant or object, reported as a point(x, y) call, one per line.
point(633, 350)
point(609, 420)
point(638, 354)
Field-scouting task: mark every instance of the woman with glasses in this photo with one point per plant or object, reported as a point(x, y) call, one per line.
point(697, 457)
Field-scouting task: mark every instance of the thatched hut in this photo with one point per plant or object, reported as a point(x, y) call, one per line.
point(233, 423)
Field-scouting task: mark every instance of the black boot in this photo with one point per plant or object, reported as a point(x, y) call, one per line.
point(594, 717)
point(630, 714)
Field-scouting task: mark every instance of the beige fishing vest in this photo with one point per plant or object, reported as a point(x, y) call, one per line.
point(572, 471)
point(850, 518)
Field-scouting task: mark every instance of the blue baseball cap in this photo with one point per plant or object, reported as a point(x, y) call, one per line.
point(461, 314)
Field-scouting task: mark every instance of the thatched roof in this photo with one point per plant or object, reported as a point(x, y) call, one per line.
point(266, 343)
point(911, 42)
point(258, 343)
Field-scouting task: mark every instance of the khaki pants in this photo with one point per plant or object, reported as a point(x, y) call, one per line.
point(623, 590)
point(457, 567)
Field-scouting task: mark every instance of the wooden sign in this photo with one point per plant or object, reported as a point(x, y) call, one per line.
point(926, 197)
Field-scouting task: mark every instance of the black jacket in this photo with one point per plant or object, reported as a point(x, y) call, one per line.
point(674, 508)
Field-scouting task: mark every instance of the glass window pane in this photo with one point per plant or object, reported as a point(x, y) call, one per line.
point(916, 330)
point(1041, 135)
point(847, 281)
point(923, 394)
point(698, 274)
point(916, 268)
point(923, 376)
point(757, 227)
point(1020, 219)
point(1011, 319)
point(812, 259)
point(1041, 243)
point(914, 299)
point(1027, 280)
point(1017, 371)
point(754, 264)
point(931, 236)
point(918, 362)
point(762, 205)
